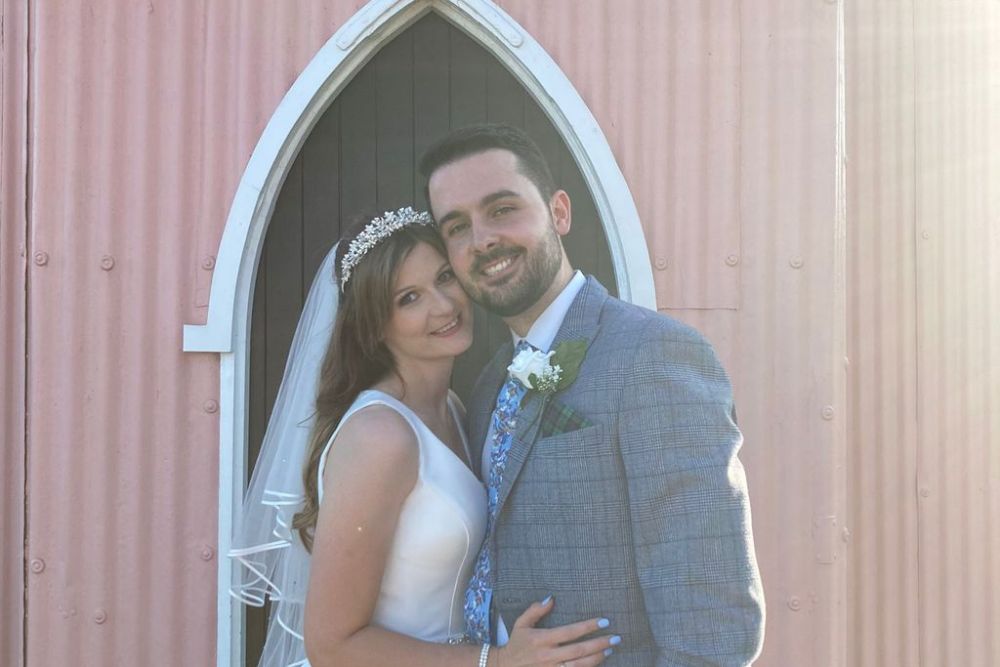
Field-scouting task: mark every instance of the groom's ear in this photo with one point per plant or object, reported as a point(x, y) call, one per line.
point(561, 211)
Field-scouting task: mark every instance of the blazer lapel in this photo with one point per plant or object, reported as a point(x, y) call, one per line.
point(581, 323)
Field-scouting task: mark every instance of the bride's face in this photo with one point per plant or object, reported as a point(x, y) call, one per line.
point(431, 315)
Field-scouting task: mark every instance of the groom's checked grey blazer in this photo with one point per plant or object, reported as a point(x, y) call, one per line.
point(623, 496)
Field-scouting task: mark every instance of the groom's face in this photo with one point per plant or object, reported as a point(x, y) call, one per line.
point(502, 237)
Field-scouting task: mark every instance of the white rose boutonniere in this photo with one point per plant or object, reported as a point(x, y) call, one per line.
point(530, 363)
point(548, 372)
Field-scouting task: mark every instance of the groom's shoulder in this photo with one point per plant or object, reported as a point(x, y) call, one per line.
point(644, 343)
point(631, 325)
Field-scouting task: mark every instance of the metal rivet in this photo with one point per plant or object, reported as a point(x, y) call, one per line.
point(107, 262)
point(732, 260)
point(794, 603)
point(41, 258)
point(925, 234)
point(796, 262)
point(661, 263)
point(37, 565)
point(100, 616)
point(208, 263)
point(210, 406)
point(208, 553)
point(828, 412)
point(924, 492)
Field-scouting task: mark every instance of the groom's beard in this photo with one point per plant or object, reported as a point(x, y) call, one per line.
point(525, 288)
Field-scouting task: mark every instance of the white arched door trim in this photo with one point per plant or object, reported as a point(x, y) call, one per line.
point(228, 325)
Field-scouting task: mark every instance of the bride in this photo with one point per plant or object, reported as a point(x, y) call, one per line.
point(366, 555)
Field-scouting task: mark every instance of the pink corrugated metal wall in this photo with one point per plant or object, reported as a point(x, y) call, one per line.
point(957, 142)
point(144, 115)
point(883, 565)
point(723, 117)
point(13, 232)
point(924, 127)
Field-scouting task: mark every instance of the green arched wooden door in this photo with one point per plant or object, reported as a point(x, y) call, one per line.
point(362, 156)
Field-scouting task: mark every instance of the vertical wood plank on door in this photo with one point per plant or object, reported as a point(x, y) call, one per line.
point(394, 123)
point(468, 80)
point(321, 222)
point(284, 279)
point(358, 181)
point(505, 97)
point(431, 85)
point(540, 128)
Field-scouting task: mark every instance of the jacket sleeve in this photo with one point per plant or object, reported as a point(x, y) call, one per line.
point(688, 503)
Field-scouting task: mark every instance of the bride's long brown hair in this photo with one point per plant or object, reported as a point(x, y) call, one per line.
point(356, 357)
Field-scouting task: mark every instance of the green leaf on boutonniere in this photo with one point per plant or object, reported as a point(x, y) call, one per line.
point(568, 355)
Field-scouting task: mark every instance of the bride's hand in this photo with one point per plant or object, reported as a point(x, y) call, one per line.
point(556, 647)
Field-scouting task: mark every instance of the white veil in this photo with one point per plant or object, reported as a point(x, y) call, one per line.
point(275, 563)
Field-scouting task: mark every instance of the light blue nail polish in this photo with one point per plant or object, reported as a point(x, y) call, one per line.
point(547, 600)
point(603, 623)
point(615, 641)
point(608, 652)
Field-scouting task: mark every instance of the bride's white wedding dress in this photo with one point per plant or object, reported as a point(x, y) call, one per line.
point(440, 529)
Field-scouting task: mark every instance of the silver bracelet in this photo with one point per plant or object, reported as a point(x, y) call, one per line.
point(484, 655)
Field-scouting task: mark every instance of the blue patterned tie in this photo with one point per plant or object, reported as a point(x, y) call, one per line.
point(480, 591)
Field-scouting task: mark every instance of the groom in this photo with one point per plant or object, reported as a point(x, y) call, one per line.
point(613, 479)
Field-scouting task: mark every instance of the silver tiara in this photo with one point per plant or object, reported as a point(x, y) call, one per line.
point(376, 231)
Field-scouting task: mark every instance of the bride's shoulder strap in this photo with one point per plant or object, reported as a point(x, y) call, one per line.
point(374, 421)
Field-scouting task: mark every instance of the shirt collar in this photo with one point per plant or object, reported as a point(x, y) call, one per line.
point(544, 330)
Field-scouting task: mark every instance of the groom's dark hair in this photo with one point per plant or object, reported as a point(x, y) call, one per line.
point(473, 139)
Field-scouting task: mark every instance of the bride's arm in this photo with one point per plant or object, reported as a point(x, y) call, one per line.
point(371, 469)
